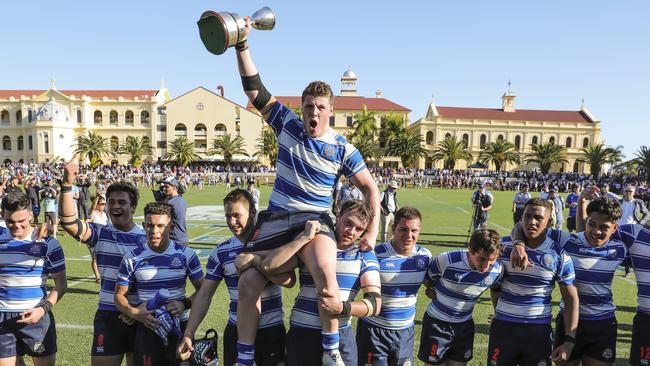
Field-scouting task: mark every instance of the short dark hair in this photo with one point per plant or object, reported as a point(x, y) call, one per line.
point(487, 240)
point(408, 213)
point(318, 89)
point(538, 201)
point(16, 201)
point(607, 206)
point(359, 206)
point(240, 194)
point(129, 188)
point(159, 208)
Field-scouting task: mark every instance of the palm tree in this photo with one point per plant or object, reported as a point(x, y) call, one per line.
point(93, 146)
point(642, 158)
point(135, 148)
point(267, 145)
point(499, 153)
point(392, 126)
point(368, 148)
point(227, 147)
point(364, 125)
point(408, 146)
point(546, 154)
point(450, 150)
point(597, 155)
point(181, 150)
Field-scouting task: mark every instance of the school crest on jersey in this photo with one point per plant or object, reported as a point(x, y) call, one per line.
point(548, 261)
point(488, 281)
point(176, 262)
point(612, 253)
point(329, 151)
point(36, 250)
point(420, 263)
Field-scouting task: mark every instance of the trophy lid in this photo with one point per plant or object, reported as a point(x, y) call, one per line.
point(212, 30)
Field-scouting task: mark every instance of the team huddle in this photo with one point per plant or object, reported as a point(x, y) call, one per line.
point(147, 317)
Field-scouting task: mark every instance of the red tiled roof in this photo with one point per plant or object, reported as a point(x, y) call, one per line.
point(349, 103)
point(78, 93)
point(518, 115)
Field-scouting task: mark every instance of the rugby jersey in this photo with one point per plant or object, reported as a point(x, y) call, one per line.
point(149, 271)
point(110, 245)
point(637, 239)
point(401, 278)
point(308, 168)
point(24, 268)
point(351, 264)
point(526, 295)
point(457, 286)
point(221, 265)
point(594, 271)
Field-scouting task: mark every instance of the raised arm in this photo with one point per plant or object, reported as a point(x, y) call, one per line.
point(363, 180)
point(78, 229)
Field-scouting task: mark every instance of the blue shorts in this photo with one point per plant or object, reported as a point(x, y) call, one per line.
point(35, 340)
point(304, 346)
point(274, 229)
point(383, 347)
point(269, 345)
point(442, 340)
point(519, 343)
point(111, 336)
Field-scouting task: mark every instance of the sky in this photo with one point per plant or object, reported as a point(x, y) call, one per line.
point(462, 53)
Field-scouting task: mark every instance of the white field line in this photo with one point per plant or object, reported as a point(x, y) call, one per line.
point(208, 233)
point(75, 283)
point(467, 213)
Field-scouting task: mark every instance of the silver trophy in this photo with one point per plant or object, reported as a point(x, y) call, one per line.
point(220, 30)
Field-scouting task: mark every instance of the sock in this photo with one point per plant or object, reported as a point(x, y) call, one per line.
point(245, 354)
point(330, 341)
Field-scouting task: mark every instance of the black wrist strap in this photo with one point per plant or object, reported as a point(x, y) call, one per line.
point(46, 305)
point(347, 308)
point(570, 339)
point(187, 303)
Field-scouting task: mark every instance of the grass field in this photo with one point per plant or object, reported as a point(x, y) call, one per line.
point(446, 219)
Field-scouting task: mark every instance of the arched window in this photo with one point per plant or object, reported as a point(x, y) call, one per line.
point(200, 130)
point(146, 141)
point(29, 115)
point(428, 163)
point(98, 117)
point(535, 140)
point(112, 117)
point(568, 142)
point(6, 143)
point(551, 140)
point(46, 143)
point(575, 167)
point(429, 138)
point(115, 143)
point(144, 117)
point(517, 142)
point(19, 117)
point(585, 142)
point(128, 118)
point(79, 116)
point(500, 137)
point(219, 130)
point(180, 130)
point(466, 139)
point(4, 116)
point(30, 142)
point(482, 141)
point(20, 143)
point(447, 135)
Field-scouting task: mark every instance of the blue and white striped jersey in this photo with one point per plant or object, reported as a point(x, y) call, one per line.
point(457, 286)
point(594, 272)
point(149, 271)
point(637, 239)
point(221, 265)
point(351, 265)
point(401, 278)
point(526, 295)
point(110, 245)
point(24, 267)
point(308, 168)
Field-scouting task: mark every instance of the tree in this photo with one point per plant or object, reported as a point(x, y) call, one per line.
point(93, 146)
point(364, 125)
point(546, 154)
point(499, 153)
point(228, 147)
point(391, 127)
point(135, 148)
point(642, 158)
point(181, 150)
point(450, 150)
point(267, 145)
point(408, 146)
point(368, 148)
point(598, 155)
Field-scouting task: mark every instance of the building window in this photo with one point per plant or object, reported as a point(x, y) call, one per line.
point(219, 130)
point(6, 143)
point(331, 121)
point(162, 144)
point(348, 121)
point(20, 143)
point(575, 167)
point(29, 115)
point(535, 140)
point(19, 117)
point(482, 141)
point(447, 135)
point(112, 117)
point(429, 138)
point(79, 116)
point(500, 137)
point(551, 140)
point(466, 139)
point(161, 128)
point(180, 130)
point(200, 136)
point(146, 141)
point(115, 144)
point(4, 117)
point(517, 142)
point(144, 117)
point(585, 142)
point(128, 118)
point(98, 117)
point(428, 163)
point(199, 106)
point(46, 143)
point(30, 142)
point(568, 142)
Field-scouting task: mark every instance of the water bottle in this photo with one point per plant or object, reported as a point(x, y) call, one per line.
point(161, 298)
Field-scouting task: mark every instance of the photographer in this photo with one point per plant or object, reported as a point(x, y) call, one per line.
point(482, 203)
